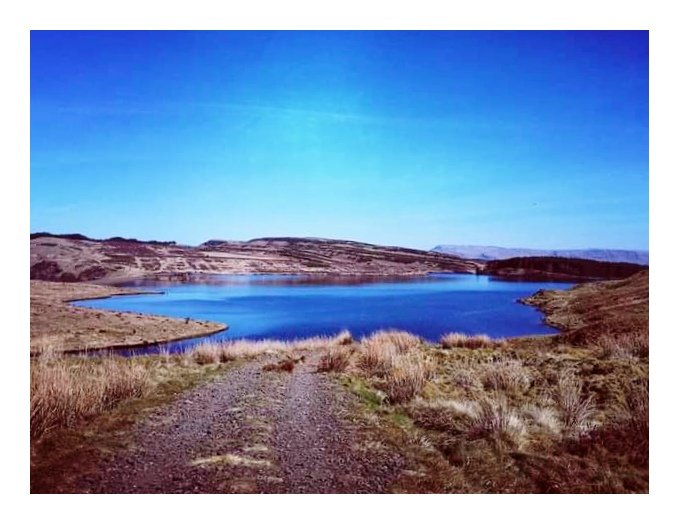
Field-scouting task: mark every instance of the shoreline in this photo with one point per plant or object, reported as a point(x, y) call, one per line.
point(58, 325)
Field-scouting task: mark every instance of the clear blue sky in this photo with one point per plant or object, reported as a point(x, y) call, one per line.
point(518, 139)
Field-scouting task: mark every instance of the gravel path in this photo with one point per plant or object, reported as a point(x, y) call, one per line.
point(251, 431)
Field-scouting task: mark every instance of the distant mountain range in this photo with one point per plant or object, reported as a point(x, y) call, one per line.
point(502, 253)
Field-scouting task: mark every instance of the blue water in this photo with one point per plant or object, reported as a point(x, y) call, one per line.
point(288, 307)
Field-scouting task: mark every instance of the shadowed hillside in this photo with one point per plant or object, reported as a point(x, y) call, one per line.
point(556, 268)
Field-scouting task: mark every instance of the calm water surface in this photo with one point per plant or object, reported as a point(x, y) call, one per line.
point(287, 307)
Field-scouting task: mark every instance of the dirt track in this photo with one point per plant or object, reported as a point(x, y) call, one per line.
point(251, 431)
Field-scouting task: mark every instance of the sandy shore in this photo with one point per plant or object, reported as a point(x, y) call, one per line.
point(58, 325)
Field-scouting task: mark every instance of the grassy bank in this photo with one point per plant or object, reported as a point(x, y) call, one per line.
point(500, 417)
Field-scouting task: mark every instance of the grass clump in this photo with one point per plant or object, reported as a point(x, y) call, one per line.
point(577, 409)
point(495, 418)
point(396, 341)
point(336, 359)
point(396, 360)
point(506, 374)
point(407, 377)
point(623, 345)
point(65, 391)
point(460, 340)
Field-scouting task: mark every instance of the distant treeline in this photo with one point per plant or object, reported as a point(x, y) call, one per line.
point(574, 267)
point(78, 236)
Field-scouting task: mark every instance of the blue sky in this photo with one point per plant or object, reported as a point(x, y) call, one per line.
point(518, 139)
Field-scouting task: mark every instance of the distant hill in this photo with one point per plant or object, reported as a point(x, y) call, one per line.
point(74, 257)
point(502, 253)
point(559, 268)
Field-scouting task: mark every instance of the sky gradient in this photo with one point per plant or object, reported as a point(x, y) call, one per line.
point(516, 139)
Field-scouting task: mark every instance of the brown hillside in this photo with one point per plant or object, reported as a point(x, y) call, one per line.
point(589, 311)
point(72, 258)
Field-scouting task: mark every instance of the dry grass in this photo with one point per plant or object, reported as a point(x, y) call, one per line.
point(460, 340)
point(495, 418)
point(398, 360)
point(64, 391)
point(576, 408)
point(623, 345)
point(544, 418)
point(379, 351)
point(407, 377)
point(398, 341)
point(336, 359)
point(506, 374)
point(212, 352)
point(344, 338)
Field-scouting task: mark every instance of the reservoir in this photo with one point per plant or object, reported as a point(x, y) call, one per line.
point(293, 306)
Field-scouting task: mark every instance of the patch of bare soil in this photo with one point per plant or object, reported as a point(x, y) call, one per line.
point(59, 326)
point(250, 431)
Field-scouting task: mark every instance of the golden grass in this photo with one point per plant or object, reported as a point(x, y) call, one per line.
point(398, 360)
point(212, 352)
point(407, 377)
point(379, 351)
point(65, 391)
point(460, 340)
point(393, 340)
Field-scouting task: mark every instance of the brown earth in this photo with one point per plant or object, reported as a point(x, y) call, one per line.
point(75, 258)
point(59, 326)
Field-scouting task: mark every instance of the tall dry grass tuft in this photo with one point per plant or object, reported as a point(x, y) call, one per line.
point(633, 412)
point(376, 360)
point(379, 351)
point(577, 409)
point(336, 359)
point(626, 345)
point(460, 340)
point(407, 377)
point(64, 391)
point(399, 341)
point(207, 353)
point(48, 346)
point(545, 418)
point(506, 374)
point(495, 418)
